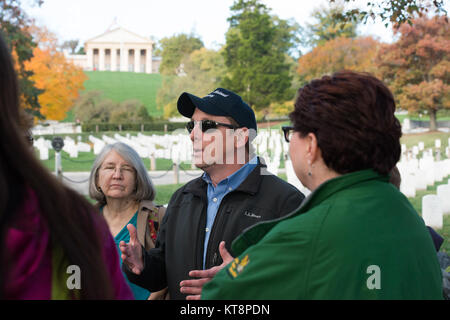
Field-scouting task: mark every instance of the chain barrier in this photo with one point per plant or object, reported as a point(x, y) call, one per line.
point(73, 181)
point(77, 161)
point(185, 171)
point(160, 176)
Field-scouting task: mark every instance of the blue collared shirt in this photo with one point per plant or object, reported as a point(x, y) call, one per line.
point(216, 194)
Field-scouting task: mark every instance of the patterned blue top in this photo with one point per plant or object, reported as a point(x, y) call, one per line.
point(138, 292)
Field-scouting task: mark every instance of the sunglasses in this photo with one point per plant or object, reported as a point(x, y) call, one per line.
point(205, 125)
point(288, 132)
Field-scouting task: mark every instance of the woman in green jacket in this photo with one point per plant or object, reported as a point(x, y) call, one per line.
point(356, 236)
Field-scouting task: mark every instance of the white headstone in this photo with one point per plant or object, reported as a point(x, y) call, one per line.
point(443, 192)
point(408, 185)
point(421, 145)
point(438, 174)
point(432, 211)
point(43, 153)
point(421, 180)
point(437, 143)
point(406, 126)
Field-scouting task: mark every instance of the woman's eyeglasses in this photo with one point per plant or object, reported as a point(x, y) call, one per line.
point(288, 132)
point(205, 125)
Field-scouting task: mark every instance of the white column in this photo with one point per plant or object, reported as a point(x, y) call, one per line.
point(148, 60)
point(124, 59)
point(90, 59)
point(113, 59)
point(101, 52)
point(137, 60)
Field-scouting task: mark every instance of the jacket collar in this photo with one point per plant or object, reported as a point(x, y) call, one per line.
point(250, 185)
point(332, 186)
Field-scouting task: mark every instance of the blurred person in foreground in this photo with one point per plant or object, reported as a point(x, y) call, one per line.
point(52, 245)
point(124, 192)
point(234, 193)
point(355, 236)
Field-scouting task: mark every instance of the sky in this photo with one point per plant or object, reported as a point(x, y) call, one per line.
point(86, 19)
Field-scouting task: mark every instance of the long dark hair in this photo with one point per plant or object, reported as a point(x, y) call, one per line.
point(69, 216)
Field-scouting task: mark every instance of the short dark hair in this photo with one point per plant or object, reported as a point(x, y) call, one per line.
point(352, 116)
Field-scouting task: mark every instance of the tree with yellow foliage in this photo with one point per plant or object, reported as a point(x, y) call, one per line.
point(60, 79)
point(338, 54)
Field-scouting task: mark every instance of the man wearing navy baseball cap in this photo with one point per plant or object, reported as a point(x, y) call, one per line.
point(220, 102)
point(233, 193)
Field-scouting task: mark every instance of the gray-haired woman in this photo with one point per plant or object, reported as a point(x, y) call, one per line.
point(125, 193)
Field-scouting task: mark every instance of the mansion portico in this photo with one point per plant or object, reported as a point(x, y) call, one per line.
point(118, 50)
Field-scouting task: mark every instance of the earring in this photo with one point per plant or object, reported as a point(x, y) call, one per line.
point(310, 168)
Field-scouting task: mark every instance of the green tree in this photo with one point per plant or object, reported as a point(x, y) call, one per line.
point(92, 107)
point(256, 45)
point(395, 11)
point(417, 66)
point(203, 71)
point(129, 111)
point(174, 49)
point(14, 26)
point(327, 27)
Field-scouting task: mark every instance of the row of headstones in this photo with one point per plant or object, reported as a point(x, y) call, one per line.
point(70, 146)
point(177, 147)
point(270, 145)
point(418, 174)
point(420, 147)
point(436, 206)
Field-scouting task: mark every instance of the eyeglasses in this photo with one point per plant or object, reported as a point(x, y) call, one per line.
point(288, 132)
point(205, 125)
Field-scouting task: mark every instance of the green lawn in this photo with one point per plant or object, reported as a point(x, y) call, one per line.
point(428, 139)
point(120, 86)
point(165, 192)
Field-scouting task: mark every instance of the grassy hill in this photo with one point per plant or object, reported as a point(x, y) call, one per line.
point(120, 86)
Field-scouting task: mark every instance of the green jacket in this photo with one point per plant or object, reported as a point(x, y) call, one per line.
point(355, 237)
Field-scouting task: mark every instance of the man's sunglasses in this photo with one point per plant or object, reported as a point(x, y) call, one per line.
point(205, 125)
point(288, 132)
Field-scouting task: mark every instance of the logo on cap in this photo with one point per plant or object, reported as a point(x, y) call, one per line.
point(211, 95)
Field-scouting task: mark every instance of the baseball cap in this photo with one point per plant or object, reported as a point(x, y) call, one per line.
point(220, 102)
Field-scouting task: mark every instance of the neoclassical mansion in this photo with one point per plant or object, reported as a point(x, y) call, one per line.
point(118, 50)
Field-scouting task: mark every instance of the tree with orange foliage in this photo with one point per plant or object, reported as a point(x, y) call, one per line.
point(60, 79)
point(417, 66)
point(337, 54)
